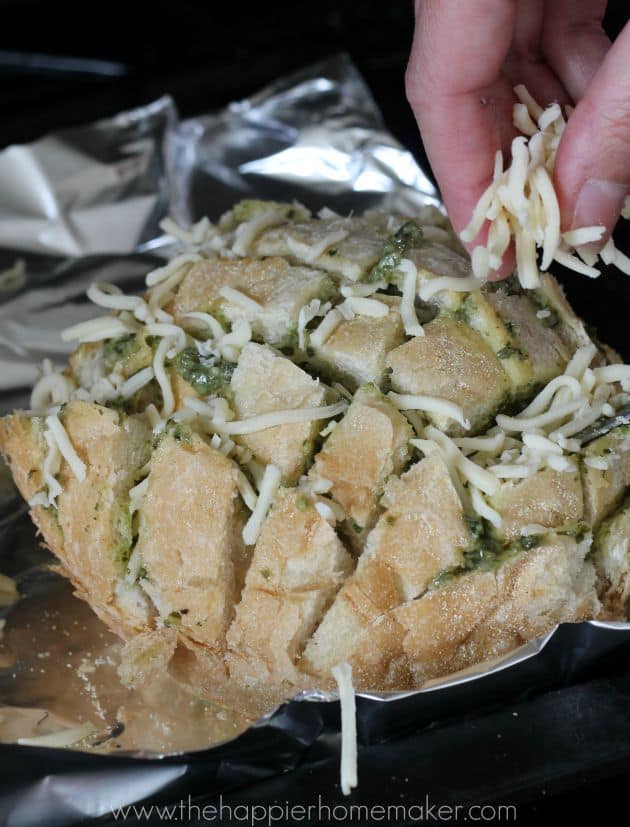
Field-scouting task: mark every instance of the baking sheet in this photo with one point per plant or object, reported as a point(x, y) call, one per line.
point(85, 205)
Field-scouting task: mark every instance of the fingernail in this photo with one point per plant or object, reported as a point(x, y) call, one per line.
point(599, 202)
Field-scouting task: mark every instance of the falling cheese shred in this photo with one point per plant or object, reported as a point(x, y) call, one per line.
point(342, 674)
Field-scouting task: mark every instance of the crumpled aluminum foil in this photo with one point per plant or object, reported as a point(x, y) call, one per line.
point(83, 205)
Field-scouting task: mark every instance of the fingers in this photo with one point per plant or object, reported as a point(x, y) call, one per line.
point(525, 62)
point(573, 42)
point(592, 172)
point(461, 101)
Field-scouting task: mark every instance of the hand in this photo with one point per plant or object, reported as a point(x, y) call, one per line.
point(465, 60)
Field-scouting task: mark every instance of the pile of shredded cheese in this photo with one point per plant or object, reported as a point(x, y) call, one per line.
point(521, 204)
point(543, 435)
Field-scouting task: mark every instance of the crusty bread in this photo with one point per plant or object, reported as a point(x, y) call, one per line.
point(278, 287)
point(486, 613)
point(421, 533)
point(451, 361)
point(254, 585)
point(603, 490)
point(611, 557)
point(548, 498)
point(90, 532)
point(189, 537)
point(264, 382)
point(368, 445)
point(355, 353)
point(298, 565)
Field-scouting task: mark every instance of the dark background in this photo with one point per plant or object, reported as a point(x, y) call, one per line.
point(64, 63)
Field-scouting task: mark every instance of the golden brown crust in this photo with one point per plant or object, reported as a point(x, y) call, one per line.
point(451, 361)
point(189, 538)
point(547, 498)
point(368, 445)
point(422, 533)
point(298, 565)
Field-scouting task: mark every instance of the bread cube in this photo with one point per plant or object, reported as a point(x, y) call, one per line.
point(422, 533)
point(366, 447)
point(264, 382)
point(451, 361)
point(281, 290)
point(604, 490)
point(547, 498)
point(483, 614)
point(356, 351)
point(189, 540)
point(90, 529)
point(545, 351)
point(351, 257)
point(298, 565)
point(611, 556)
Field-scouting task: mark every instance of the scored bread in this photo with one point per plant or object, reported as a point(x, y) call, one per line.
point(317, 440)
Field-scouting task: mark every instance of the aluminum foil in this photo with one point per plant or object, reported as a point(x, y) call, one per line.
point(85, 204)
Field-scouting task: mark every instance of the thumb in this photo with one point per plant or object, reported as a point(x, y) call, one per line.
point(592, 170)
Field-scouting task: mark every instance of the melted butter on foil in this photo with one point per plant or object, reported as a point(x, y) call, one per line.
point(58, 671)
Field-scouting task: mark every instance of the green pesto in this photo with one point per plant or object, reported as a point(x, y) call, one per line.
point(122, 530)
point(510, 351)
point(577, 530)
point(174, 619)
point(530, 541)
point(609, 526)
point(302, 502)
point(266, 573)
point(406, 238)
point(510, 286)
point(486, 553)
point(122, 347)
point(207, 379)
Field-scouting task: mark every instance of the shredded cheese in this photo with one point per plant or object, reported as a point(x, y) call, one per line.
point(246, 490)
point(327, 327)
point(50, 390)
point(268, 489)
point(206, 319)
point(60, 435)
point(247, 232)
point(307, 313)
point(162, 378)
point(275, 418)
point(97, 330)
point(136, 382)
point(362, 306)
point(521, 202)
point(407, 303)
point(429, 404)
point(457, 284)
point(239, 298)
point(342, 674)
